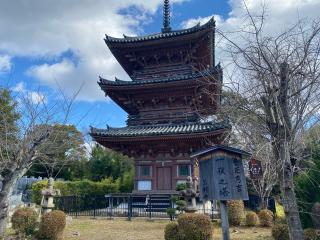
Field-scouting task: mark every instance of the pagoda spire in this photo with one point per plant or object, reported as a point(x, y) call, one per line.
point(166, 17)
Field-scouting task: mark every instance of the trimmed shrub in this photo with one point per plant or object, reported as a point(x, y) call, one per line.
point(181, 186)
point(266, 218)
point(52, 226)
point(171, 213)
point(315, 215)
point(181, 205)
point(252, 219)
point(195, 227)
point(171, 232)
point(280, 232)
point(24, 220)
point(311, 234)
point(235, 212)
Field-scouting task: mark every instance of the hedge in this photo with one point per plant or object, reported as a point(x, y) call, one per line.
point(85, 187)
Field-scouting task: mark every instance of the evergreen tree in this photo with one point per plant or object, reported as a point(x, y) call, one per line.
point(308, 182)
point(8, 127)
point(105, 163)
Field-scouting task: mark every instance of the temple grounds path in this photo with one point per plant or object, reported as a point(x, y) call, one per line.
point(120, 229)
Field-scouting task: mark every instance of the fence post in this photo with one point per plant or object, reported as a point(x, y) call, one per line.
point(150, 207)
point(76, 200)
point(111, 206)
point(129, 207)
point(94, 208)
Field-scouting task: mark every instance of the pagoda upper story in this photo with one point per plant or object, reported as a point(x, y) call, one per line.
point(171, 74)
point(167, 54)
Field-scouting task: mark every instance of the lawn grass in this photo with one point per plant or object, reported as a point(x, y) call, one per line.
point(138, 229)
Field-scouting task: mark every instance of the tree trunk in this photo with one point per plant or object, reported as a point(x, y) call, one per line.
point(292, 213)
point(4, 205)
point(8, 182)
point(289, 198)
point(264, 202)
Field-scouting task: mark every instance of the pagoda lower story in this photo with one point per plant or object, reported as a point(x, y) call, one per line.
point(161, 152)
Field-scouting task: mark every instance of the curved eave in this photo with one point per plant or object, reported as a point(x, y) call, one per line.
point(157, 137)
point(159, 131)
point(190, 79)
point(182, 83)
point(110, 139)
point(110, 41)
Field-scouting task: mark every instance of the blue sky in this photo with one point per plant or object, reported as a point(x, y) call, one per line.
point(50, 45)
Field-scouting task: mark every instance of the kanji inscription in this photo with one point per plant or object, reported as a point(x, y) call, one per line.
point(222, 178)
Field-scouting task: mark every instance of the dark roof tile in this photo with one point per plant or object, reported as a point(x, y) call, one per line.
point(163, 129)
point(127, 39)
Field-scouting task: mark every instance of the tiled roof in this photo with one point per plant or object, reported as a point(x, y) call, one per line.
point(119, 82)
point(126, 39)
point(158, 130)
point(220, 147)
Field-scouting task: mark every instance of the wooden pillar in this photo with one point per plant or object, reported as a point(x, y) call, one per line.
point(224, 220)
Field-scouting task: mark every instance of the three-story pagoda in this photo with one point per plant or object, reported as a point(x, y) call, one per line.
point(167, 102)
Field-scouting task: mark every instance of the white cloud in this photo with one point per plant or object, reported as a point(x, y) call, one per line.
point(53, 72)
point(202, 20)
point(46, 28)
point(19, 88)
point(35, 97)
point(278, 17)
point(5, 63)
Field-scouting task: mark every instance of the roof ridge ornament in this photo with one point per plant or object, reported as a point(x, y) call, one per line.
point(166, 17)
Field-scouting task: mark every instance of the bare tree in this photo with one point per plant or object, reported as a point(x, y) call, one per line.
point(279, 73)
point(23, 138)
point(65, 146)
point(251, 134)
point(264, 185)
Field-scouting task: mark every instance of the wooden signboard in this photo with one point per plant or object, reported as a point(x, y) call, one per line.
point(222, 178)
point(255, 169)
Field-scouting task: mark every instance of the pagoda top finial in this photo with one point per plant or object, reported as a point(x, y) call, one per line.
point(166, 17)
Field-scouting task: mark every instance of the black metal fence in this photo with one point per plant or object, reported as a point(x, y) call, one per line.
point(125, 205)
point(134, 206)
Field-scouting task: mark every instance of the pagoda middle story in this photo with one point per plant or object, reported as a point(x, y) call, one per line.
point(167, 102)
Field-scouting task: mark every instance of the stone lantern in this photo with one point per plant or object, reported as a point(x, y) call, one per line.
point(48, 196)
point(190, 194)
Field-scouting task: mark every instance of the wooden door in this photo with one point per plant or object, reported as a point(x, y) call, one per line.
point(164, 178)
